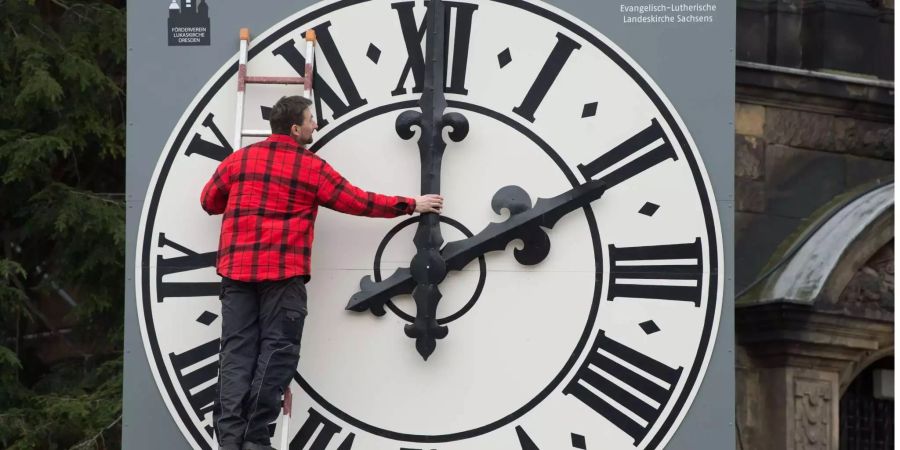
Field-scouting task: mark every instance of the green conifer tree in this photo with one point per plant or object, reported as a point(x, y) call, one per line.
point(62, 221)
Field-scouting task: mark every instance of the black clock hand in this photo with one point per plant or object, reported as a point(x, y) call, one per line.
point(428, 267)
point(525, 223)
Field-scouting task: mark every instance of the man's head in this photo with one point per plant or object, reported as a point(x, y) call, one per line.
point(292, 116)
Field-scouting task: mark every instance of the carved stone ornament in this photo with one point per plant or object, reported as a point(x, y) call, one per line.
point(812, 414)
point(873, 284)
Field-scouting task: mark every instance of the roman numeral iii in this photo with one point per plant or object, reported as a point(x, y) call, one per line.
point(665, 272)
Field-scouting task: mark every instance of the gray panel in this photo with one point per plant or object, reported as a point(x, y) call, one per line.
point(162, 81)
point(692, 64)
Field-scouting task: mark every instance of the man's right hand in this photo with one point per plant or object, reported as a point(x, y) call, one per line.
point(430, 203)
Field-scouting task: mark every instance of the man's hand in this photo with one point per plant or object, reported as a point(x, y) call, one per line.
point(430, 203)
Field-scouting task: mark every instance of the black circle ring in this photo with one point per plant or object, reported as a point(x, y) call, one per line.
point(482, 265)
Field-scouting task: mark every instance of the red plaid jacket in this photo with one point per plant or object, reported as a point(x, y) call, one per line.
point(269, 193)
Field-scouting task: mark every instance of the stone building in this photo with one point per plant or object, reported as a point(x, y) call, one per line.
point(814, 200)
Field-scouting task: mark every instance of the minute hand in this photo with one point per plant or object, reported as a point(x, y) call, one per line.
point(525, 223)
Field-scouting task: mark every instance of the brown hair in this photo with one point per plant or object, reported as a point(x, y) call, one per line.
point(287, 112)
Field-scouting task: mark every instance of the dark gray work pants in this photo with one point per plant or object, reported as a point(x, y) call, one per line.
point(261, 327)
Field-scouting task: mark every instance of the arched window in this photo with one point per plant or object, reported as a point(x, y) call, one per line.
point(867, 409)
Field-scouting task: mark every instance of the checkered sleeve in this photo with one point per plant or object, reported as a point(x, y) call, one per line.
point(214, 197)
point(335, 192)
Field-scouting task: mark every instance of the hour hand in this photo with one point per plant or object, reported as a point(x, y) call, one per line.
point(525, 222)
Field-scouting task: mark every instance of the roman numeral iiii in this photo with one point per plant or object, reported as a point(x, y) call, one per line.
point(635, 415)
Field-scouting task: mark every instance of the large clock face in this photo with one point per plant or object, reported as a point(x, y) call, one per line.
point(603, 344)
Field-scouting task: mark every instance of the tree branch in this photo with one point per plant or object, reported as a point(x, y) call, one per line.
point(98, 436)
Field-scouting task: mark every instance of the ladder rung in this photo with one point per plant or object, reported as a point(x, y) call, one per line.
point(274, 80)
point(255, 133)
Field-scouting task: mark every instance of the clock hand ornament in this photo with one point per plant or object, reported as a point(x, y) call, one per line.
point(525, 222)
point(428, 267)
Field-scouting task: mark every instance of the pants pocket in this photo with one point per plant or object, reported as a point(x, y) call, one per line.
point(293, 311)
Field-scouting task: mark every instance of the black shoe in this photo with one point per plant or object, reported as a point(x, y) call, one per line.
point(230, 447)
point(253, 446)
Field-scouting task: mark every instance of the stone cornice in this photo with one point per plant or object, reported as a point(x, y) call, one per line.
point(822, 92)
point(784, 334)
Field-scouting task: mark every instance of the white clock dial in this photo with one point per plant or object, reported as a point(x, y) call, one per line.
point(603, 344)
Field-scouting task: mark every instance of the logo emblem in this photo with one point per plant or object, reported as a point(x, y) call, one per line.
point(188, 23)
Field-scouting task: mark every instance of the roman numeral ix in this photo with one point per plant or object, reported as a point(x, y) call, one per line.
point(190, 261)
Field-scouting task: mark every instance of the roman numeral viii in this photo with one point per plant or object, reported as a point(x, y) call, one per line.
point(323, 91)
point(191, 377)
point(413, 35)
point(594, 385)
point(664, 272)
point(190, 261)
point(327, 431)
point(652, 139)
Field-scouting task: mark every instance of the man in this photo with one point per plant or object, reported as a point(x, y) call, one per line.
point(269, 194)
